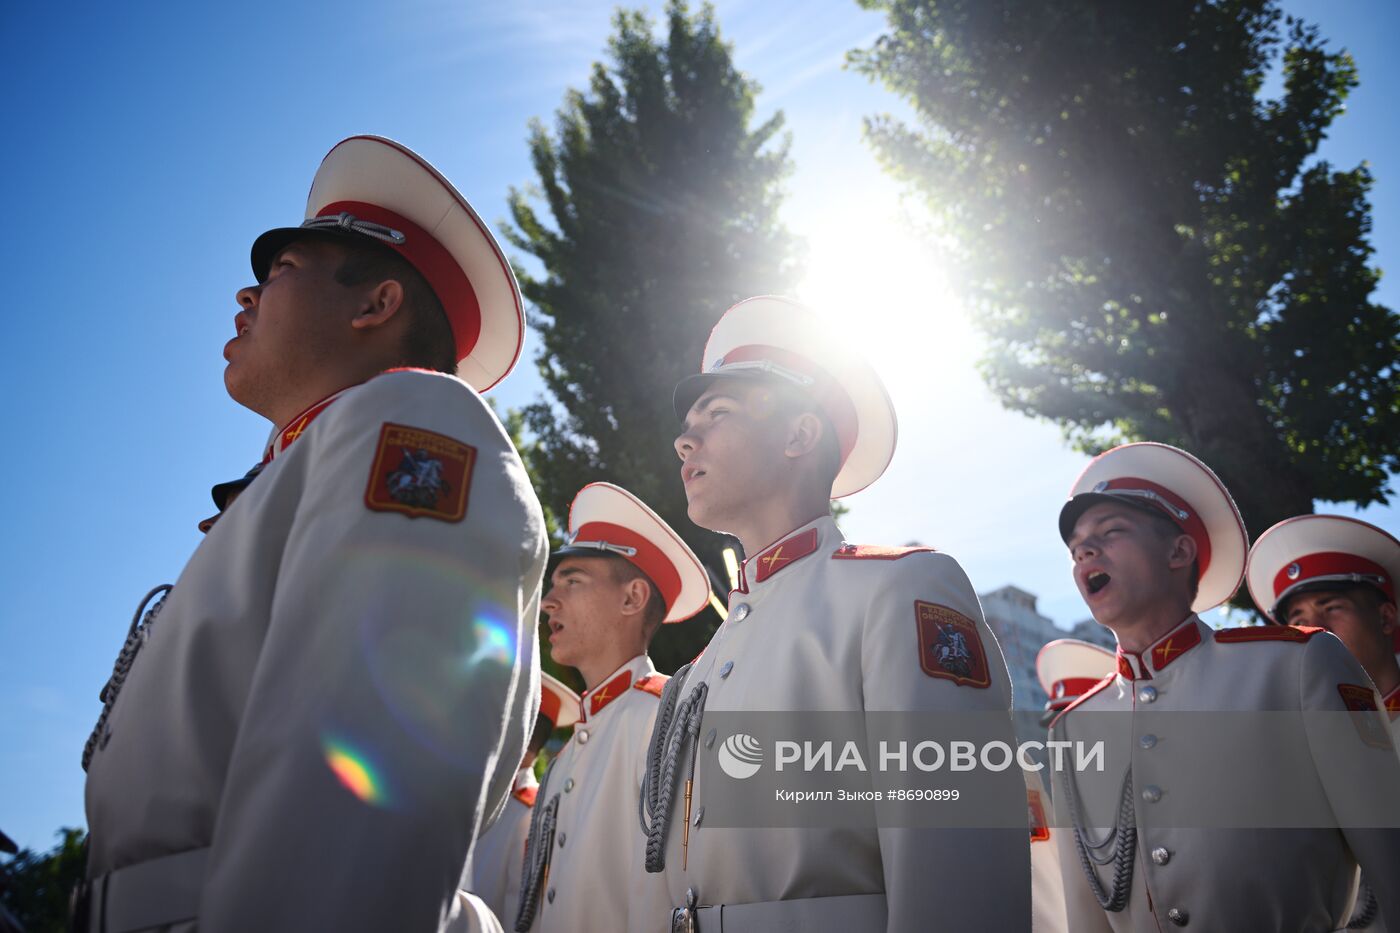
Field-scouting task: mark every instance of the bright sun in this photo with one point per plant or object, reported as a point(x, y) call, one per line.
point(870, 272)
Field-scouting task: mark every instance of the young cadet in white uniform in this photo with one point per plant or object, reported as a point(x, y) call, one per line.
point(1155, 538)
point(782, 420)
point(337, 691)
point(622, 574)
point(1066, 669)
point(1335, 573)
point(1339, 574)
point(494, 873)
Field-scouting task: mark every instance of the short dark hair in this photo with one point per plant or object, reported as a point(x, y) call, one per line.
point(1169, 530)
point(428, 342)
point(654, 613)
point(789, 402)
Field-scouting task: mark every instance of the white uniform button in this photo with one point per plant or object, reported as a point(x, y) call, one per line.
point(1178, 916)
point(568, 785)
point(1161, 855)
point(550, 896)
point(741, 612)
point(1147, 741)
point(1147, 694)
point(725, 668)
point(583, 737)
point(1152, 793)
point(710, 738)
point(561, 839)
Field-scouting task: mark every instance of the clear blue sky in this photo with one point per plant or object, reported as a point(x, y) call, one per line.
point(150, 143)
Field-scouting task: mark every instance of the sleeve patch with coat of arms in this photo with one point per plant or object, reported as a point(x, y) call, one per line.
point(421, 474)
point(1361, 703)
point(950, 646)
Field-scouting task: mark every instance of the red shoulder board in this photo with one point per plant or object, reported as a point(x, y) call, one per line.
point(651, 683)
point(1296, 633)
point(526, 795)
point(875, 552)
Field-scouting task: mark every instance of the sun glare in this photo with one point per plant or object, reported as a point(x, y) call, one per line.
point(883, 284)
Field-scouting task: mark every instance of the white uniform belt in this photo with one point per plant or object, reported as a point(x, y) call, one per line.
point(153, 893)
point(838, 914)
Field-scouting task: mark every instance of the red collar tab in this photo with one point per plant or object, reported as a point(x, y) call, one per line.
point(808, 376)
point(636, 549)
point(297, 427)
point(432, 260)
point(784, 554)
point(1181, 640)
point(1132, 667)
point(594, 702)
point(1329, 566)
point(1156, 496)
point(878, 552)
point(526, 795)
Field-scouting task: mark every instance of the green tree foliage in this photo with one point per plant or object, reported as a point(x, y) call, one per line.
point(36, 887)
point(1150, 243)
point(662, 196)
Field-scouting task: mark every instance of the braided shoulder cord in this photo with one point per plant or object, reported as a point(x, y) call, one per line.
point(660, 732)
point(1365, 913)
point(537, 848)
point(1120, 842)
point(136, 636)
point(689, 713)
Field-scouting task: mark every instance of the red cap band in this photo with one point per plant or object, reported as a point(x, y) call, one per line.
point(827, 392)
point(1330, 564)
point(1192, 524)
point(549, 703)
point(432, 260)
point(1071, 687)
point(649, 558)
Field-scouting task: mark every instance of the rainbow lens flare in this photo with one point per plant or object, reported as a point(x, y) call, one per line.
point(356, 772)
point(495, 641)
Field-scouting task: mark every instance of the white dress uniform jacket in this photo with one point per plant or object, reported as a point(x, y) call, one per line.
point(1047, 887)
point(597, 778)
point(338, 690)
point(494, 874)
point(820, 625)
point(1296, 879)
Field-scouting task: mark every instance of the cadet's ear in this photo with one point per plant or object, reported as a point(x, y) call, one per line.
point(1183, 552)
point(804, 434)
point(635, 593)
point(382, 302)
point(1388, 618)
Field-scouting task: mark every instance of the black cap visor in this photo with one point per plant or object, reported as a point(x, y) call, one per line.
point(689, 389)
point(1077, 506)
point(267, 246)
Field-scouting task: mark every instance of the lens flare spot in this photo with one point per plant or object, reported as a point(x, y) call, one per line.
point(494, 641)
point(355, 772)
